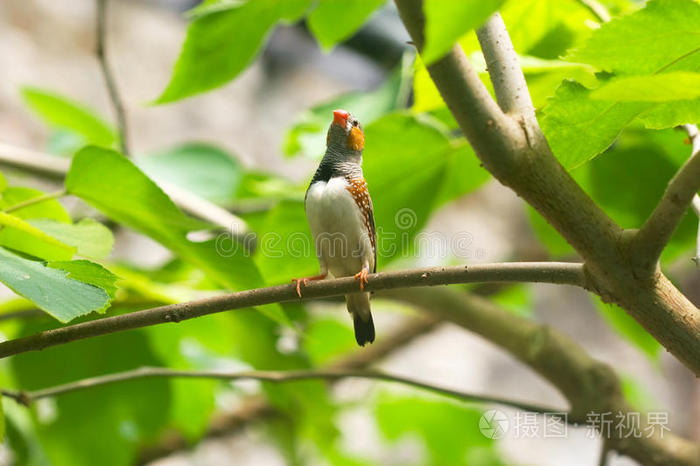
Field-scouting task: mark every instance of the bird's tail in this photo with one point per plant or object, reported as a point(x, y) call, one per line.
point(358, 306)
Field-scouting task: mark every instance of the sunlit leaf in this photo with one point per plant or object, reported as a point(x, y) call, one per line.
point(448, 20)
point(335, 20)
point(678, 85)
point(578, 128)
point(662, 37)
point(52, 290)
point(88, 272)
point(64, 113)
point(91, 238)
point(21, 235)
point(114, 185)
point(221, 44)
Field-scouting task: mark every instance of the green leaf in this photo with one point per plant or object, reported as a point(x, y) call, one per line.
point(662, 37)
point(222, 43)
point(114, 185)
point(671, 114)
point(448, 20)
point(21, 235)
point(327, 339)
point(578, 128)
point(335, 20)
point(61, 112)
point(88, 272)
point(629, 329)
point(49, 208)
point(91, 238)
point(200, 168)
point(51, 290)
point(449, 430)
point(119, 419)
point(405, 182)
point(678, 85)
point(463, 173)
point(285, 247)
point(425, 171)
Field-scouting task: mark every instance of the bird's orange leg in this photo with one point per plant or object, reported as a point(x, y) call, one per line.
point(362, 276)
point(304, 281)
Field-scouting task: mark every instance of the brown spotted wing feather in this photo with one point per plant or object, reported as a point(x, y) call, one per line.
point(358, 188)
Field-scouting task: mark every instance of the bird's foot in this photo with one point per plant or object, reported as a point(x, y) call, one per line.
point(305, 281)
point(362, 276)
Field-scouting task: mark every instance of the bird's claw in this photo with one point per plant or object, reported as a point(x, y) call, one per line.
point(362, 276)
point(299, 282)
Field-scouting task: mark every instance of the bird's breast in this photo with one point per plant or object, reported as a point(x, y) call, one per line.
point(337, 226)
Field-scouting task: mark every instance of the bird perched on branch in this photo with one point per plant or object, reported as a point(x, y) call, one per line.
point(341, 218)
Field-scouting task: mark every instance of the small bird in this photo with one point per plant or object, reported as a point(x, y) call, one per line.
point(341, 217)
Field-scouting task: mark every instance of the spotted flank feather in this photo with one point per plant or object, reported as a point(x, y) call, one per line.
point(358, 189)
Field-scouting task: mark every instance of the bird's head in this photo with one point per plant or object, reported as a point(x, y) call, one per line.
point(345, 133)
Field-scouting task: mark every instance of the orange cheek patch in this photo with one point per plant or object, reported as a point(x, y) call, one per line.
point(356, 139)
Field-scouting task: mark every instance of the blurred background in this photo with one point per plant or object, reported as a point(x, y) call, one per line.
point(260, 124)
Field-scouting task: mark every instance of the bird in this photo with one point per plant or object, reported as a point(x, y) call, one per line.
point(340, 214)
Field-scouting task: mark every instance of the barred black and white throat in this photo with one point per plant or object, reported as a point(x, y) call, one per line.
point(341, 217)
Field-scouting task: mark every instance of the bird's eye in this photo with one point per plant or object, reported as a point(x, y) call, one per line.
point(355, 122)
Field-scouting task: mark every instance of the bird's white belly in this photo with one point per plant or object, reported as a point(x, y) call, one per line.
point(340, 237)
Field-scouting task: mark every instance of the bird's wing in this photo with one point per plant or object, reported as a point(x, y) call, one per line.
point(360, 193)
point(372, 232)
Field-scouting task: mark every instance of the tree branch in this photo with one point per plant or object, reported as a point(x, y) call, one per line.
point(109, 79)
point(27, 398)
point(542, 272)
point(517, 154)
point(695, 204)
point(479, 117)
point(590, 386)
point(648, 244)
point(504, 68)
point(54, 167)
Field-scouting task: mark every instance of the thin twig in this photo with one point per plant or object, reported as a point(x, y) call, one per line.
point(654, 235)
point(36, 200)
point(268, 376)
point(54, 167)
point(109, 78)
point(541, 272)
point(504, 68)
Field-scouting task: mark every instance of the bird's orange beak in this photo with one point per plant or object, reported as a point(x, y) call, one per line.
point(340, 117)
